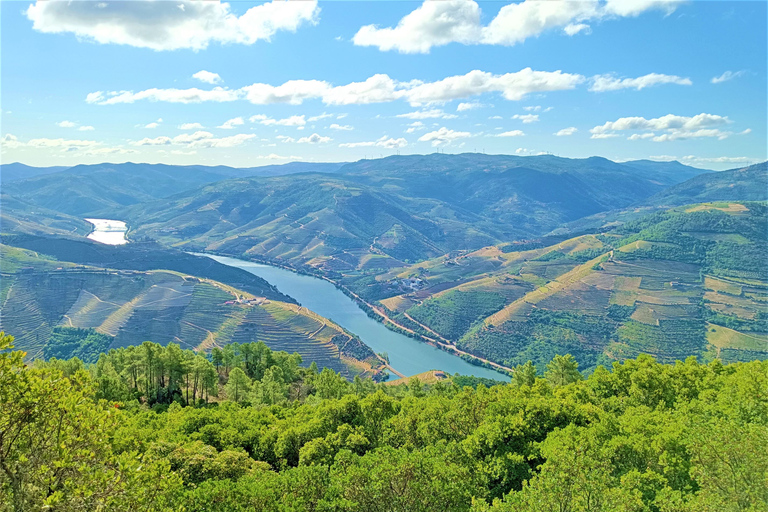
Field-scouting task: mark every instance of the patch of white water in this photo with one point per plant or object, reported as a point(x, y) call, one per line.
point(107, 231)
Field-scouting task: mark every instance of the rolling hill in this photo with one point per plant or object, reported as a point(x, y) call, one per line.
point(681, 282)
point(90, 189)
point(381, 213)
point(50, 305)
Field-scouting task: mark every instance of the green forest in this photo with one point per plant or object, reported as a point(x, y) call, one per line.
point(153, 428)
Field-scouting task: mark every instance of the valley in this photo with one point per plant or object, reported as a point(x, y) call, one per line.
point(500, 261)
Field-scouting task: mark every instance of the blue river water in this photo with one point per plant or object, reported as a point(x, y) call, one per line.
point(406, 355)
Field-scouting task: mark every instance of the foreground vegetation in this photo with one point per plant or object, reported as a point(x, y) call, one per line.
point(153, 428)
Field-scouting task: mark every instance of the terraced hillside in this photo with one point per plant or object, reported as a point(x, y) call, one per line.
point(687, 281)
point(379, 214)
point(130, 307)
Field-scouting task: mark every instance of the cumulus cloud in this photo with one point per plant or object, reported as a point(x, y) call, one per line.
point(193, 95)
point(565, 132)
point(199, 139)
point(726, 76)
point(383, 142)
point(443, 136)
point(10, 141)
point(603, 83)
point(86, 128)
point(169, 25)
point(526, 118)
point(415, 126)
point(512, 133)
point(434, 113)
point(231, 123)
point(319, 117)
point(268, 121)
point(437, 23)
point(191, 126)
point(378, 88)
point(345, 127)
point(461, 107)
point(574, 28)
point(66, 124)
point(207, 77)
point(313, 139)
point(537, 108)
point(674, 127)
point(153, 124)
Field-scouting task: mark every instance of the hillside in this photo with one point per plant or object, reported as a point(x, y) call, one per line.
point(380, 213)
point(59, 309)
point(687, 281)
point(89, 189)
point(143, 256)
point(744, 184)
point(18, 216)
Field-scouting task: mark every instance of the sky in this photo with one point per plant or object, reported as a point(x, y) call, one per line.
point(249, 84)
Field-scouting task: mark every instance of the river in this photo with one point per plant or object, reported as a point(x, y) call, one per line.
point(108, 231)
point(406, 355)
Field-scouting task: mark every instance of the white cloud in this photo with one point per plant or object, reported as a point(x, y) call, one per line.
point(574, 28)
point(437, 23)
point(191, 126)
point(66, 124)
point(529, 152)
point(10, 141)
point(384, 142)
point(526, 118)
point(86, 128)
point(495, 117)
point(223, 142)
point(313, 139)
point(461, 107)
point(376, 89)
point(268, 121)
point(231, 123)
point(512, 86)
point(537, 108)
point(193, 95)
point(273, 156)
point(207, 77)
point(443, 136)
point(726, 76)
point(512, 133)
point(415, 126)
point(675, 127)
point(108, 151)
point(320, 117)
point(694, 160)
point(152, 125)
point(565, 132)
point(169, 25)
point(602, 83)
point(434, 113)
point(344, 127)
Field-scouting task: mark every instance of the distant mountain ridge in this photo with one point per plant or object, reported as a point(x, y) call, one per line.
point(400, 208)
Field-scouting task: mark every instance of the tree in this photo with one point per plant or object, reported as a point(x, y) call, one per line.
point(563, 370)
point(524, 374)
point(238, 386)
point(53, 454)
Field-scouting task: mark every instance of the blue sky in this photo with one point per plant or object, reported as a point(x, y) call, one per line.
point(87, 82)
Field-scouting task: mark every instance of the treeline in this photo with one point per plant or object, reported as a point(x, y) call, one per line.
point(641, 437)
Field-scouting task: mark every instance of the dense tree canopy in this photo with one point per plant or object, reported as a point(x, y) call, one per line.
point(161, 428)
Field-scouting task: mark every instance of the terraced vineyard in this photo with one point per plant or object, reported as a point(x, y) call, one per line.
point(688, 281)
point(131, 307)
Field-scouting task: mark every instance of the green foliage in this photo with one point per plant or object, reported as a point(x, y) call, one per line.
point(68, 342)
point(453, 313)
point(643, 437)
